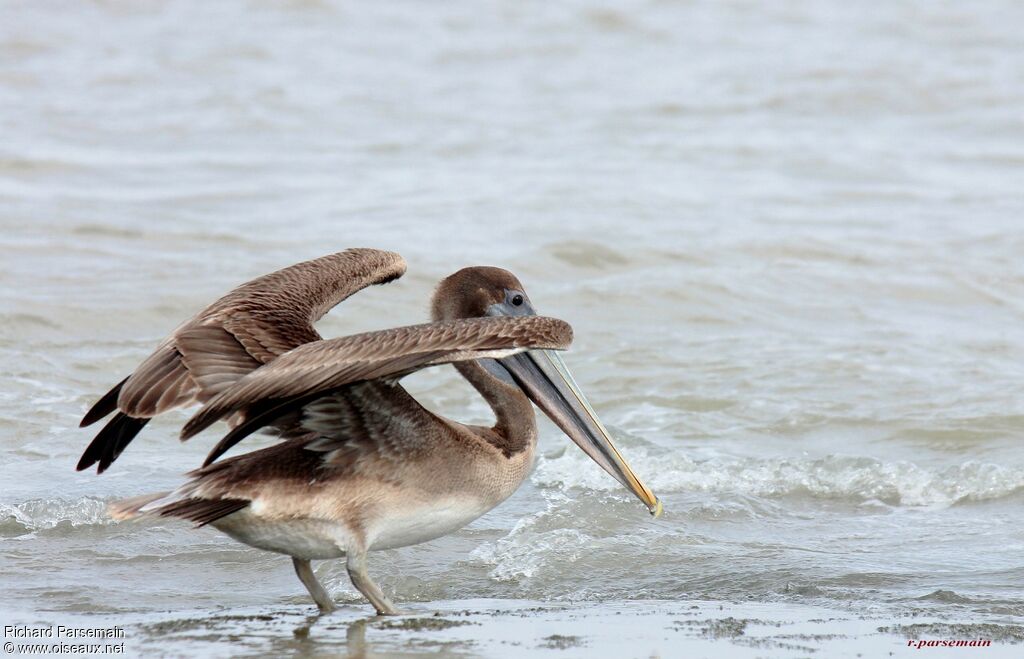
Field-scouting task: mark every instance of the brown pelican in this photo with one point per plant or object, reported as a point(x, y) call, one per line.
point(361, 465)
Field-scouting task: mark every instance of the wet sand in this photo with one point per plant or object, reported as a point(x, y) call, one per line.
point(523, 628)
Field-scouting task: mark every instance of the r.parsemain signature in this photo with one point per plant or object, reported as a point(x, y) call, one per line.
point(918, 644)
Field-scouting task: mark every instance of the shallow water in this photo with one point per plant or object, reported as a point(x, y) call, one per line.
point(788, 239)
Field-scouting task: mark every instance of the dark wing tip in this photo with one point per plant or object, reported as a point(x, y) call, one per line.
point(224, 445)
point(103, 406)
point(110, 442)
point(258, 417)
point(200, 421)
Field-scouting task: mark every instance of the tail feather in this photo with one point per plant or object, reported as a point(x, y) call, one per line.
point(166, 504)
point(131, 508)
point(203, 511)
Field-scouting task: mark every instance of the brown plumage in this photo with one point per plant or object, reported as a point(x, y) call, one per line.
point(246, 328)
point(361, 465)
point(311, 371)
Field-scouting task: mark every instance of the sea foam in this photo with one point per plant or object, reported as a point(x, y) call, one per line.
point(852, 478)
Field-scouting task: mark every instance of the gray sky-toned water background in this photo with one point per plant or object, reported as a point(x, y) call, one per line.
point(789, 237)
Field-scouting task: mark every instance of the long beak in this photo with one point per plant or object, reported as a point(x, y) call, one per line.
point(544, 377)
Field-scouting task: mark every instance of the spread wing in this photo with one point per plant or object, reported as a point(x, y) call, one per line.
point(315, 379)
point(248, 327)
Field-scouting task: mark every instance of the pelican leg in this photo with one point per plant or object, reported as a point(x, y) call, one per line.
point(356, 565)
point(308, 579)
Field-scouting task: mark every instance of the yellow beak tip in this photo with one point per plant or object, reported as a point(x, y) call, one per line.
point(657, 509)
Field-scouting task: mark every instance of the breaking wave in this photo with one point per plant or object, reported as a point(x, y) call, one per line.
point(856, 479)
point(40, 514)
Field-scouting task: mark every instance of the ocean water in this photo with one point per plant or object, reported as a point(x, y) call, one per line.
point(788, 237)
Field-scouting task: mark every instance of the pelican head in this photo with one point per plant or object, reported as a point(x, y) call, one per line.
point(540, 374)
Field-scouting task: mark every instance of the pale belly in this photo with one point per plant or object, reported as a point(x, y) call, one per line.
point(301, 538)
point(401, 528)
point(322, 539)
point(321, 525)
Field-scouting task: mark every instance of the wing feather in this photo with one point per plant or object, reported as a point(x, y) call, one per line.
point(314, 370)
point(249, 326)
point(160, 376)
point(214, 358)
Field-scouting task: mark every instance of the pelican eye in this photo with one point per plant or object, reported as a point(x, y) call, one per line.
point(517, 300)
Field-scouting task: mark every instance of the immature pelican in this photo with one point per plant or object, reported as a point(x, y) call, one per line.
point(362, 465)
